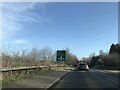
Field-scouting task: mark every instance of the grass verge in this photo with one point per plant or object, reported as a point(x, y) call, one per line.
point(8, 80)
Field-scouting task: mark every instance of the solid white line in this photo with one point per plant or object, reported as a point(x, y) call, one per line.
point(52, 83)
point(56, 81)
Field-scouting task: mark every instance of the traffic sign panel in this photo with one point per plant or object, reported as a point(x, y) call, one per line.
point(61, 55)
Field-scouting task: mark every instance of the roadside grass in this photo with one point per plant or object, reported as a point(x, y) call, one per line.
point(0, 84)
point(8, 80)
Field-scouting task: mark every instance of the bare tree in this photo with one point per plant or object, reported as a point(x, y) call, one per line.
point(71, 59)
point(45, 54)
point(34, 54)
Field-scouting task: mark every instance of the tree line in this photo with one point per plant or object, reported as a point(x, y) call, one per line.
point(110, 60)
point(34, 57)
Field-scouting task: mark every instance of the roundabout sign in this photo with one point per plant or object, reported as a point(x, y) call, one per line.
point(61, 55)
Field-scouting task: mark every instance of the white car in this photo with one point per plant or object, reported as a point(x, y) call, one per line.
point(83, 66)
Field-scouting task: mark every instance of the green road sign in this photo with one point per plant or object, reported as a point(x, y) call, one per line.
point(61, 55)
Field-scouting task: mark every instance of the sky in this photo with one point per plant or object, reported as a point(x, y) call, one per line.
point(83, 27)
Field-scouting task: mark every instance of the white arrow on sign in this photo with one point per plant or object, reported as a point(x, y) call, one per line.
point(61, 58)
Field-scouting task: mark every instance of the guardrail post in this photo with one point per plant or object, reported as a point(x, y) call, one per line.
point(28, 71)
point(11, 72)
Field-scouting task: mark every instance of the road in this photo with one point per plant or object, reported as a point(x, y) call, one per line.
point(88, 79)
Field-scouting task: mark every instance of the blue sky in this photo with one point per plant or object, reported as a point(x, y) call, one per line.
point(84, 28)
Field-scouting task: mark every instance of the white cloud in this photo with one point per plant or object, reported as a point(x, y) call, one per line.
point(14, 15)
point(21, 41)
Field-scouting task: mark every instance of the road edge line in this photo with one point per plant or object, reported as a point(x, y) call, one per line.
point(57, 80)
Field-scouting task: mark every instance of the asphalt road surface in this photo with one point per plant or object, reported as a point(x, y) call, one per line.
point(88, 79)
